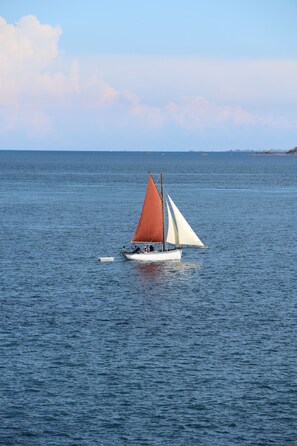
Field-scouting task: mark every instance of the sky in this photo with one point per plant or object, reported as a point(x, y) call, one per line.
point(161, 75)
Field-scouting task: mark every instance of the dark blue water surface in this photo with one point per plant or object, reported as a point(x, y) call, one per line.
point(201, 352)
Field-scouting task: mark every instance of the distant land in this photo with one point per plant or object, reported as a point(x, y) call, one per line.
point(268, 152)
point(251, 151)
point(292, 151)
point(280, 152)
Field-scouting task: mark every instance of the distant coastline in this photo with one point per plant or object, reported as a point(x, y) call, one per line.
point(273, 152)
point(278, 152)
point(268, 152)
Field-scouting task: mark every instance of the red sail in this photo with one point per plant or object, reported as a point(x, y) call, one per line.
point(150, 225)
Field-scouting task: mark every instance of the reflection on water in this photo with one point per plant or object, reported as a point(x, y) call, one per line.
point(160, 270)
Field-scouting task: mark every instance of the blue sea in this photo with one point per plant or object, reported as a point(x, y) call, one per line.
point(198, 352)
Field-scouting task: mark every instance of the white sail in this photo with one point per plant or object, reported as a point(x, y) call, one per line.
point(172, 235)
point(186, 235)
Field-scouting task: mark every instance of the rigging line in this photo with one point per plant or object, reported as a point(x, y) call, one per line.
point(154, 174)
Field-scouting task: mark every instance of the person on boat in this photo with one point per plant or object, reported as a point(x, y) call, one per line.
point(136, 250)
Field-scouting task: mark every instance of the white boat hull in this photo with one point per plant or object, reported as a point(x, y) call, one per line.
point(153, 256)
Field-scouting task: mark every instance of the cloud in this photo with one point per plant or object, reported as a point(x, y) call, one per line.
point(35, 78)
point(196, 112)
point(27, 51)
point(245, 82)
point(42, 90)
point(28, 41)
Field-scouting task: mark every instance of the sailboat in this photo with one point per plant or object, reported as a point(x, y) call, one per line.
point(151, 229)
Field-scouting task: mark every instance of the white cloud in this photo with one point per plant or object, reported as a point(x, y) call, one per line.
point(196, 112)
point(27, 51)
point(36, 78)
point(236, 81)
point(38, 83)
point(27, 42)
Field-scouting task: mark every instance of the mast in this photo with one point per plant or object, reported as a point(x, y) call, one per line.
point(162, 197)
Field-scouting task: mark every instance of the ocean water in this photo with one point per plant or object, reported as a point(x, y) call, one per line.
point(201, 352)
